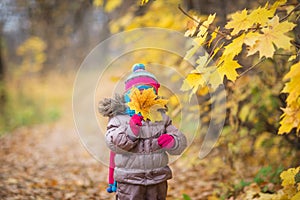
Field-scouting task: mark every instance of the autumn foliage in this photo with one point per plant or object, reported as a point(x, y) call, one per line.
point(252, 52)
point(261, 34)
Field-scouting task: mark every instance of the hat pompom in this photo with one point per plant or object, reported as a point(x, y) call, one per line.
point(138, 67)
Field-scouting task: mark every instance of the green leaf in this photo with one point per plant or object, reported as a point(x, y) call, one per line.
point(186, 197)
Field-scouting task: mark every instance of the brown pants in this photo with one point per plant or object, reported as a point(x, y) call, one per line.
point(142, 192)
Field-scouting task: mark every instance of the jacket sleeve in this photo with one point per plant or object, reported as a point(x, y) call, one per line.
point(179, 137)
point(119, 137)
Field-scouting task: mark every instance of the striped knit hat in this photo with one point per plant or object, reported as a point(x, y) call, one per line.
point(141, 77)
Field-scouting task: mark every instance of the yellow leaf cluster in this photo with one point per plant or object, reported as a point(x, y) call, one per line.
point(201, 77)
point(288, 176)
point(292, 87)
point(146, 103)
point(159, 14)
point(33, 54)
point(290, 187)
point(291, 117)
point(243, 20)
point(32, 44)
point(272, 34)
point(258, 29)
point(202, 30)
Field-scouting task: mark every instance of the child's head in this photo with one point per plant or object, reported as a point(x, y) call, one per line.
point(141, 79)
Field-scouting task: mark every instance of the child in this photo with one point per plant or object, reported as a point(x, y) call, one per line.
point(140, 146)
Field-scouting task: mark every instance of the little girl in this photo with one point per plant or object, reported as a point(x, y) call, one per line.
point(140, 147)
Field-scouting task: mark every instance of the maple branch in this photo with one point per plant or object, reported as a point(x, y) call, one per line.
point(215, 46)
point(250, 68)
point(199, 23)
point(289, 14)
point(186, 14)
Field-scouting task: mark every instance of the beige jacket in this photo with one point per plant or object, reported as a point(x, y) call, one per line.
point(139, 159)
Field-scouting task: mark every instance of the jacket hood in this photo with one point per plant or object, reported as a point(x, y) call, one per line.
point(111, 107)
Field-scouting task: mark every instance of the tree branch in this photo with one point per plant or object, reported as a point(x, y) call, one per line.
point(250, 68)
point(199, 23)
point(289, 14)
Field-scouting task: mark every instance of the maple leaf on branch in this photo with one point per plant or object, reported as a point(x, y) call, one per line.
point(273, 34)
point(291, 117)
point(228, 69)
point(242, 21)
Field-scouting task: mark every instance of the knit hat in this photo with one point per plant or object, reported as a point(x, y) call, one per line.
point(141, 77)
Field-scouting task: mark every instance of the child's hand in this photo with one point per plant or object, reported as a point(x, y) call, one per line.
point(166, 141)
point(135, 123)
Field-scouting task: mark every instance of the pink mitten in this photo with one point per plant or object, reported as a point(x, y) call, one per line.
point(135, 123)
point(166, 141)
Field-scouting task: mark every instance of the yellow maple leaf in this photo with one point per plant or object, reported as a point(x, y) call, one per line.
point(239, 21)
point(146, 103)
point(235, 47)
point(273, 34)
point(290, 118)
point(202, 62)
point(204, 27)
point(261, 15)
point(292, 87)
point(192, 81)
point(276, 4)
point(294, 72)
point(228, 69)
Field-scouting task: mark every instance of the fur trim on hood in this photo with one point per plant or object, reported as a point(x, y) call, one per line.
point(110, 107)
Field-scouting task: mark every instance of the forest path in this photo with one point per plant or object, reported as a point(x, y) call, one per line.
point(49, 162)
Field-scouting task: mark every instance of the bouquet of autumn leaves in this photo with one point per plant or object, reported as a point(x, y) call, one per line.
point(147, 104)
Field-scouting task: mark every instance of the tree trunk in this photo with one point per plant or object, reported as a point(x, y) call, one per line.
point(2, 77)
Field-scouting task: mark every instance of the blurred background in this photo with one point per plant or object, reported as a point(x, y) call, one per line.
point(42, 45)
point(44, 42)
